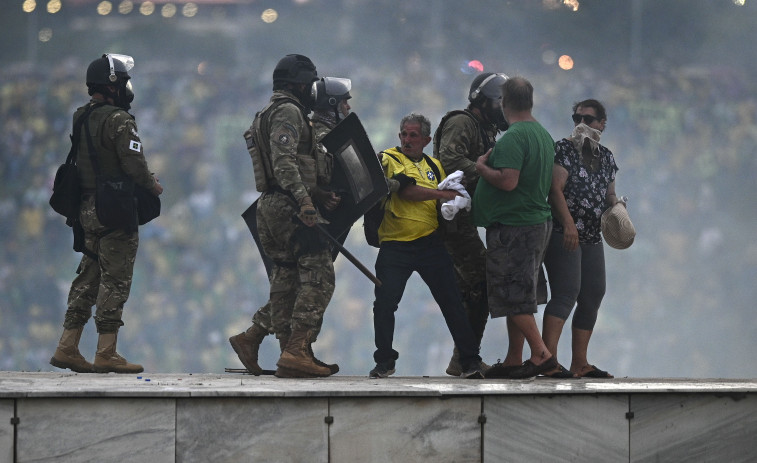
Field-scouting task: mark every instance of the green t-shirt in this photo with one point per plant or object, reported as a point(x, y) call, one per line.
point(529, 148)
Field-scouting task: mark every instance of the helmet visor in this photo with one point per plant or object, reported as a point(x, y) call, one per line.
point(492, 85)
point(337, 86)
point(118, 63)
point(126, 60)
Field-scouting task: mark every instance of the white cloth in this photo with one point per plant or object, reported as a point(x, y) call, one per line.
point(452, 206)
point(586, 137)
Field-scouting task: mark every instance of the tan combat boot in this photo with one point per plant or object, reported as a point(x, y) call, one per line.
point(333, 367)
point(247, 345)
point(67, 354)
point(296, 361)
point(107, 359)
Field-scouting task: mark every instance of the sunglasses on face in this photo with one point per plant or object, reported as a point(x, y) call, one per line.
point(587, 118)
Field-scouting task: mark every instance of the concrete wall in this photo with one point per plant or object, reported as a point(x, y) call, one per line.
point(608, 427)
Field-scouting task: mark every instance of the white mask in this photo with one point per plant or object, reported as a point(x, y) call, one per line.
point(584, 135)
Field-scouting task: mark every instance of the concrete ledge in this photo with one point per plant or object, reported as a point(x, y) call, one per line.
point(53, 384)
point(166, 417)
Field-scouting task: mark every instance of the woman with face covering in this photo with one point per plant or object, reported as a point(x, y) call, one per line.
point(583, 187)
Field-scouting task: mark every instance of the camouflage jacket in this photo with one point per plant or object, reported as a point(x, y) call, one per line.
point(291, 146)
point(322, 124)
point(459, 140)
point(119, 149)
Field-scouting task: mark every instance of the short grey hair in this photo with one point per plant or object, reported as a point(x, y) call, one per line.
point(418, 119)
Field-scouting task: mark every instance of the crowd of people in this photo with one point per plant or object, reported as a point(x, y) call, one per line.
point(684, 141)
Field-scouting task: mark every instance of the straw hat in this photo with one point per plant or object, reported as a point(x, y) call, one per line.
point(617, 229)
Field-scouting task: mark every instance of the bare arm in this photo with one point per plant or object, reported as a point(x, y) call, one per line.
point(505, 178)
point(611, 198)
point(419, 193)
point(560, 207)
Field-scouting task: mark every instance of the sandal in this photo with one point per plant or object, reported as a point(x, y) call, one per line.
point(561, 373)
point(596, 373)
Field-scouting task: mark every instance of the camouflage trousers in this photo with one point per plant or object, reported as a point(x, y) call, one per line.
point(106, 281)
point(463, 243)
point(302, 280)
point(513, 264)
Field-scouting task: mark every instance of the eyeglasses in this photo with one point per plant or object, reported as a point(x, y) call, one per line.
point(585, 117)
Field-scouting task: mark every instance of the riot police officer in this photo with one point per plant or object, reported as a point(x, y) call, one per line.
point(331, 104)
point(105, 272)
point(289, 168)
point(461, 137)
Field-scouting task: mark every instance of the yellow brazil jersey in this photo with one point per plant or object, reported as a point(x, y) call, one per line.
point(409, 220)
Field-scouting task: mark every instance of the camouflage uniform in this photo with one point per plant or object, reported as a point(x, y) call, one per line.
point(322, 124)
point(106, 281)
point(459, 141)
point(302, 281)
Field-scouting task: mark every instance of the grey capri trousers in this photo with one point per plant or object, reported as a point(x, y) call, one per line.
point(575, 278)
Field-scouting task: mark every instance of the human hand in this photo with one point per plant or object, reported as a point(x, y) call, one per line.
point(482, 160)
point(449, 195)
point(307, 213)
point(157, 189)
point(328, 199)
point(570, 237)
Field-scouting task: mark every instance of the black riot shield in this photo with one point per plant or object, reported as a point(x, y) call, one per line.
point(250, 217)
point(357, 174)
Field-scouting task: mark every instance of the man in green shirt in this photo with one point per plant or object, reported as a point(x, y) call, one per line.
point(511, 203)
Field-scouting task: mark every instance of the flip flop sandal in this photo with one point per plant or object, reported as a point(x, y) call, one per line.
point(561, 373)
point(597, 373)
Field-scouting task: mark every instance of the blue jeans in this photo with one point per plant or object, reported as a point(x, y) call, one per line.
point(396, 261)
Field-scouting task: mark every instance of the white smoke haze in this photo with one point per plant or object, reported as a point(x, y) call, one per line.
point(677, 79)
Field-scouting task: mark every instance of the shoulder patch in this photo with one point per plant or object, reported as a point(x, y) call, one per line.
point(282, 138)
point(285, 135)
point(135, 146)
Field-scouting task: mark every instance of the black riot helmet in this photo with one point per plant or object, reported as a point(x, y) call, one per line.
point(294, 69)
point(486, 94)
point(330, 92)
point(487, 85)
point(112, 70)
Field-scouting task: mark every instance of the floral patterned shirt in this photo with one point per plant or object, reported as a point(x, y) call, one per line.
point(585, 191)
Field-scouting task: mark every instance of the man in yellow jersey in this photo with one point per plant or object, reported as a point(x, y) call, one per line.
point(409, 243)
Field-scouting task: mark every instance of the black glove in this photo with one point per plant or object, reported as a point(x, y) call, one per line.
point(404, 180)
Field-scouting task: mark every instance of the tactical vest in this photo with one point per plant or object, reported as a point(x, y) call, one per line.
point(108, 159)
point(312, 165)
point(486, 141)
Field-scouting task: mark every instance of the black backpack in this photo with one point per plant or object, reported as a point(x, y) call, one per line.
point(375, 215)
